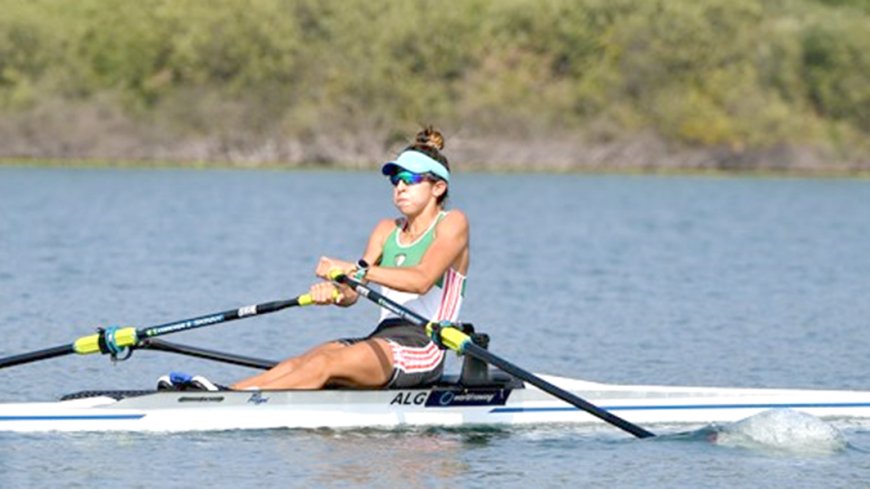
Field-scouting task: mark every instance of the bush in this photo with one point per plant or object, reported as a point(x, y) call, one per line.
point(720, 73)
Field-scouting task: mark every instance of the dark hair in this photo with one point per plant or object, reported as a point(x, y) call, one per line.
point(430, 142)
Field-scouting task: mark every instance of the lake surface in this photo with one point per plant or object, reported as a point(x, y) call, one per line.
point(666, 280)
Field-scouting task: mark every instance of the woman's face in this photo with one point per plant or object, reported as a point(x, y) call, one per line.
point(411, 198)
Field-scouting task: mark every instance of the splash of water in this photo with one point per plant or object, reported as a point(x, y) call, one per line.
point(784, 431)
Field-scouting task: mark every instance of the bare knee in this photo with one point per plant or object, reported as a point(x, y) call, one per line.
point(319, 362)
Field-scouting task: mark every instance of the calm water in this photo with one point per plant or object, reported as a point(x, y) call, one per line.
point(726, 282)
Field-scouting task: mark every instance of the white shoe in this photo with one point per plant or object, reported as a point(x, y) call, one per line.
point(164, 383)
point(203, 383)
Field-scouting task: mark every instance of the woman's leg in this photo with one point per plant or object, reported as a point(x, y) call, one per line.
point(365, 364)
point(284, 367)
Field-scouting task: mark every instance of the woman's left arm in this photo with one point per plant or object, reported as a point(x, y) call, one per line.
point(451, 240)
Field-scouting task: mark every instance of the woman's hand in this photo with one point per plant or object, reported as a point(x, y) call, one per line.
point(324, 293)
point(327, 265)
point(328, 292)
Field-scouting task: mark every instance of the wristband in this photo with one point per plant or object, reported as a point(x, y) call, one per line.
point(362, 269)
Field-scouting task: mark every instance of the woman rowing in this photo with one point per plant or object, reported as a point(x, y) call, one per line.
point(420, 261)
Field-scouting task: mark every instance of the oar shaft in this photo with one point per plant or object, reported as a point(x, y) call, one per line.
point(57, 351)
point(129, 336)
point(193, 351)
point(522, 374)
point(119, 338)
point(221, 317)
point(459, 341)
point(382, 301)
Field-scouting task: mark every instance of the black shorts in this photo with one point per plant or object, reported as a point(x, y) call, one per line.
point(417, 360)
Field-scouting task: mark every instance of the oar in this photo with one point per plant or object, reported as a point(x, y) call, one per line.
point(114, 340)
point(461, 343)
point(195, 351)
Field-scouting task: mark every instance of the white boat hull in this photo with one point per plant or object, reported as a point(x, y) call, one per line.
point(206, 411)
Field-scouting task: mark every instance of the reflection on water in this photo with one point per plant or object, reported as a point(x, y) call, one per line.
point(405, 459)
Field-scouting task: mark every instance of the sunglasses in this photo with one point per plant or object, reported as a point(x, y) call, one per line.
point(408, 177)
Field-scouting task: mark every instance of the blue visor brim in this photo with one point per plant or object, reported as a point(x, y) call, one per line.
point(416, 162)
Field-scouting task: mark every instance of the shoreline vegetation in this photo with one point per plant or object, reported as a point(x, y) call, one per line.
point(662, 171)
point(666, 86)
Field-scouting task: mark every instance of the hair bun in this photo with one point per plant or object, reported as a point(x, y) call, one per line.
point(429, 136)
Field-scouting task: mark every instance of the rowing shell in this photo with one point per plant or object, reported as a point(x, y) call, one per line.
point(446, 405)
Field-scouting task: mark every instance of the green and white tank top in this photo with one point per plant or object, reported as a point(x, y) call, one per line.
point(444, 300)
